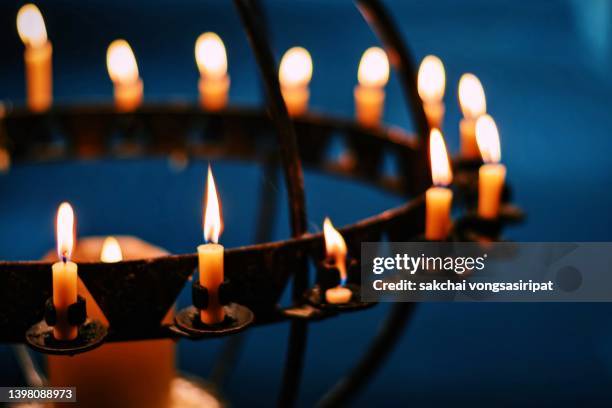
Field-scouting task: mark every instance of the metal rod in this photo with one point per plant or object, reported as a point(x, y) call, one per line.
point(295, 187)
point(400, 57)
point(380, 20)
point(348, 387)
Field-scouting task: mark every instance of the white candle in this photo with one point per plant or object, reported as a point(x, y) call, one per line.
point(335, 250)
point(210, 255)
point(38, 55)
point(473, 105)
point(438, 199)
point(64, 274)
point(492, 174)
point(431, 82)
point(214, 82)
point(294, 76)
point(373, 74)
point(123, 71)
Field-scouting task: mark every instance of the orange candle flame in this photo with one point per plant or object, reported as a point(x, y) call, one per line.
point(31, 26)
point(441, 172)
point(431, 79)
point(295, 68)
point(487, 138)
point(121, 63)
point(335, 248)
point(65, 232)
point(211, 56)
point(213, 224)
point(471, 97)
point(111, 251)
point(373, 68)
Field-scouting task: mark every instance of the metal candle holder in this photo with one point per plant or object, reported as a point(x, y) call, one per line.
point(136, 295)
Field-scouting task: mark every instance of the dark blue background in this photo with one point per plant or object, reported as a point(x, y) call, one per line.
point(545, 68)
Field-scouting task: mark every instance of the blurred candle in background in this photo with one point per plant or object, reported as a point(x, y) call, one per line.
point(492, 174)
point(64, 274)
point(439, 197)
point(294, 76)
point(214, 82)
point(210, 255)
point(372, 75)
point(130, 374)
point(123, 71)
point(335, 250)
point(431, 82)
point(38, 55)
point(473, 104)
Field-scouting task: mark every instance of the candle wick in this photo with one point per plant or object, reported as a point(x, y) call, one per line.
point(64, 258)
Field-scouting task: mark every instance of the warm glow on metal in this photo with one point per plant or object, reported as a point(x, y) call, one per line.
point(441, 172)
point(373, 68)
point(295, 68)
point(111, 251)
point(335, 248)
point(471, 97)
point(31, 26)
point(212, 212)
point(121, 63)
point(431, 79)
point(210, 56)
point(65, 231)
point(487, 138)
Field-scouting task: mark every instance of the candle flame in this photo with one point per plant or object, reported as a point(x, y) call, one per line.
point(335, 248)
point(111, 251)
point(295, 68)
point(487, 138)
point(471, 97)
point(213, 224)
point(121, 63)
point(441, 172)
point(431, 79)
point(373, 68)
point(211, 56)
point(31, 26)
point(65, 231)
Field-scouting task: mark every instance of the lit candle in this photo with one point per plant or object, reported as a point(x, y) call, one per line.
point(492, 174)
point(210, 255)
point(294, 76)
point(38, 53)
point(111, 251)
point(64, 274)
point(431, 82)
point(473, 104)
point(123, 71)
point(438, 199)
point(372, 75)
point(212, 63)
point(335, 249)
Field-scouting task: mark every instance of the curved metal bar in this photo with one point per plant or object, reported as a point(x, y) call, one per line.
point(380, 20)
point(288, 141)
point(295, 188)
point(400, 57)
point(347, 388)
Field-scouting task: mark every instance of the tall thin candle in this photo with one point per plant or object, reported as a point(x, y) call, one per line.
point(294, 76)
point(439, 197)
point(373, 74)
point(64, 274)
point(123, 71)
point(431, 83)
point(492, 174)
point(38, 54)
point(473, 105)
point(210, 255)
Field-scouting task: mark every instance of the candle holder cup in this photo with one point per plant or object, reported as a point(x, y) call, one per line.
point(90, 333)
point(473, 228)
point(189, 324)
point(328, 277)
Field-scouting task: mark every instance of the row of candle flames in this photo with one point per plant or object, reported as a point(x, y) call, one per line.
point(478, 135)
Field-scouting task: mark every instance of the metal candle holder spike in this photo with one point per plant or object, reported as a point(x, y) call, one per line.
point(237, 317)
point(136, 295)
point(90, 334)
